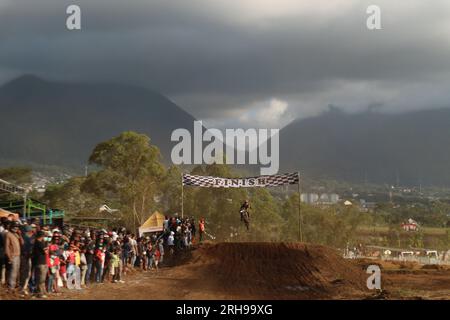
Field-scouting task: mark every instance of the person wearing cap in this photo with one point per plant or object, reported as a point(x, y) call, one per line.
point(12, 253)
point(25, 259)
point(40, 263)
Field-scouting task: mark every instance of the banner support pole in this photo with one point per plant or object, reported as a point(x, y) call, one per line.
point(182, 197)
point(300, 222)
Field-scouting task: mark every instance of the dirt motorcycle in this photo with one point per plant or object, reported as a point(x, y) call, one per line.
point(245, 217)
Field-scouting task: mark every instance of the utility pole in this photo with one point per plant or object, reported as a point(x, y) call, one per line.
point(25, 205)
point(182, 197)
point(397, 178)
point(300, 218)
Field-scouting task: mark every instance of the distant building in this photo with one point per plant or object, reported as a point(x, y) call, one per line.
point(410, 225)
point(309, 198)
point(334, 198)
point(324, 198)
point(367, 206)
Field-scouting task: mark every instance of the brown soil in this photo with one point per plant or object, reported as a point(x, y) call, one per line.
point(268, 271)
point(410, 280)
point(274, 271)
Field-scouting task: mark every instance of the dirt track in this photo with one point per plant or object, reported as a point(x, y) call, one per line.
point(244, 271)
point(270, 271)
point(412, 280)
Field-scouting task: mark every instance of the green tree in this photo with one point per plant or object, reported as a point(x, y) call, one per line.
point(170, 187)
point(331, 225)
point(70, 197)
point(130, 170)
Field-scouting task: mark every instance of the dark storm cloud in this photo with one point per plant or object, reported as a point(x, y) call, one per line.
point(223, 59)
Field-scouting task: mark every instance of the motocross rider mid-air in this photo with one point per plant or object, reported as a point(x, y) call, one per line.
point(245, 213)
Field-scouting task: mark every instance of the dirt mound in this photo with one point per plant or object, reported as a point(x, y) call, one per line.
point(435, 267)
point(274, 271)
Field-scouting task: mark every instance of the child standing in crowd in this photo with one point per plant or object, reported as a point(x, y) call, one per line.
point(61, 254)
point(114, 268)
point(53, 270)
point(83, 265)
point(156, 257)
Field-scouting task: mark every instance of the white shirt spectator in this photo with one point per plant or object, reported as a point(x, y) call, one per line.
point(170, 239)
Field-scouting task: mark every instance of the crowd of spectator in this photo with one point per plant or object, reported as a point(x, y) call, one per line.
point(37, 260)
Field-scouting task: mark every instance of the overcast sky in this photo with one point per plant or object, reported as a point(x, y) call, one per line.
point(241, 62)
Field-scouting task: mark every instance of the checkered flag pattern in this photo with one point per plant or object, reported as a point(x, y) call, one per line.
point(261, 181)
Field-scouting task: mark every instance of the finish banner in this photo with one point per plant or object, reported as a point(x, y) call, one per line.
point(261, 181)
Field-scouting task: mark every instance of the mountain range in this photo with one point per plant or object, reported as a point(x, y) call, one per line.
point(410, 148)
point(56, 123)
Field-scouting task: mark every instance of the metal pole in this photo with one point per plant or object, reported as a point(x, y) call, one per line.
point(134, 219)
point(300, 233)
point(182, 197)
point(25, 206)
